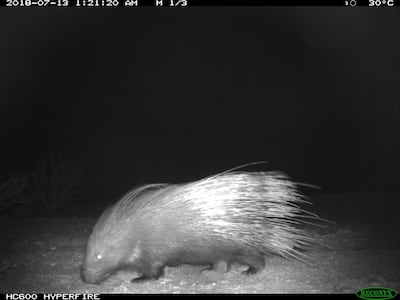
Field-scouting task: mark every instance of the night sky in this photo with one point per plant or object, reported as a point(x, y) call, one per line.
point(148, 95)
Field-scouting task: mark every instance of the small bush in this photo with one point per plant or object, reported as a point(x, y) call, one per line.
point(56, 182)
point(14, 194)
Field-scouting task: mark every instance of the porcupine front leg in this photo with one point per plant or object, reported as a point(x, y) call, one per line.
point(149, 272)
point(218, 266)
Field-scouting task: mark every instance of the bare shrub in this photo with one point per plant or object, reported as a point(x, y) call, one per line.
point(14, 194)
point(57, 181)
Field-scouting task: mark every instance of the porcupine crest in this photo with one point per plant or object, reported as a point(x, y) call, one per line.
point(219, 216)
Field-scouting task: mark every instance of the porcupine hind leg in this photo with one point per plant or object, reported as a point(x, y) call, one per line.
point(255, 262)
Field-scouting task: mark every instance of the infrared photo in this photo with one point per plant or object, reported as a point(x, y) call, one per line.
point(199, 150)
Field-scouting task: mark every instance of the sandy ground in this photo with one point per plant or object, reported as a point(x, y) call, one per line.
point(45, 254)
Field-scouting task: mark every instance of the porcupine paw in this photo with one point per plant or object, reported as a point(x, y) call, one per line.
point(250, 271)
point(153, 274)
point(138, 279)
point(142, 279)
point(218, 266)
point(206, 269)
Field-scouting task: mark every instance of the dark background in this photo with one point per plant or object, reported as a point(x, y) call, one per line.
point(147, 95)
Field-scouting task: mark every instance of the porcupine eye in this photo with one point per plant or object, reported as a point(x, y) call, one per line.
point(99, 257)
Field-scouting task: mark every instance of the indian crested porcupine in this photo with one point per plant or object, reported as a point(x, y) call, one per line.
point(229, 217)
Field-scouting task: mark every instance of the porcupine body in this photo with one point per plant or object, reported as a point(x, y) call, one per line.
point(229, 217)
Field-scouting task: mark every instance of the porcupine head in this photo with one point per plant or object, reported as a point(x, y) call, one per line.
point(115, 240)
point(102, 256)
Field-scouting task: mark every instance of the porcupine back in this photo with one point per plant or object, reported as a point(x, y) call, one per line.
point(230, 217)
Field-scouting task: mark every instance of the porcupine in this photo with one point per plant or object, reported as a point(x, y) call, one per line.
point(234, 216)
